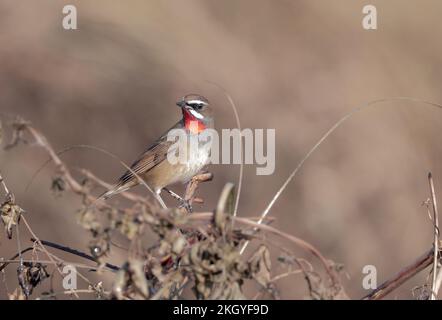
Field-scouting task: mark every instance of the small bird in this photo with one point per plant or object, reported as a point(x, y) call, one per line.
point(153, 165)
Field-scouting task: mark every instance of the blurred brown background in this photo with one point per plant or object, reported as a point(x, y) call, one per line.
point(293, 65)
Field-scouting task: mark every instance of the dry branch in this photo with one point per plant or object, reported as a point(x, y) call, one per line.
point(436, 236)
point(208, 258)
point(402, 276)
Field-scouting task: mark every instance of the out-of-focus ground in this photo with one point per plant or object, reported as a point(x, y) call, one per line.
point(295, 66)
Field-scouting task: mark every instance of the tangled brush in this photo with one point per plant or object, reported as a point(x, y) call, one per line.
point(197, 250)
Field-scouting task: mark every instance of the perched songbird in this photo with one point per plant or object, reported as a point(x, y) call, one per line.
point(154, 167)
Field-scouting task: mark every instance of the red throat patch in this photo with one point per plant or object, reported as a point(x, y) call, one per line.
point(192, 123)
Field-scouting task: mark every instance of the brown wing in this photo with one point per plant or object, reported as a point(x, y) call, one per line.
point(154, 155)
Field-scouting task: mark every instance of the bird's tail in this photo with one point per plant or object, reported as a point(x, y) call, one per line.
point(108, 194)
point(112, 192)
point(121, 188)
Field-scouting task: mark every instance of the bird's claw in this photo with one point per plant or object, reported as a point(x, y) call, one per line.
point(186, 205)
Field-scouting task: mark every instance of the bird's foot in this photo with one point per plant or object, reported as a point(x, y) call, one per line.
point(186, 205)
point(183, 203)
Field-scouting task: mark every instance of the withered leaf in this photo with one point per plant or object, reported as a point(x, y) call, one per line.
point(30, 275)
point(260, 266)
point(10, 215)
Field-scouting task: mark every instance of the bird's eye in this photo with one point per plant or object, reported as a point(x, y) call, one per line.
point(198, 106)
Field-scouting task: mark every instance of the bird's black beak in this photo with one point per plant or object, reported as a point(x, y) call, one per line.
point(181, 103)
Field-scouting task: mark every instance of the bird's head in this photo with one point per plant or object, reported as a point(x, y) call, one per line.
point(197, 112)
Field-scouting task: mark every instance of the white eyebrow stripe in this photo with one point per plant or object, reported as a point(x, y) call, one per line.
point(196, 114)
point(197, 102)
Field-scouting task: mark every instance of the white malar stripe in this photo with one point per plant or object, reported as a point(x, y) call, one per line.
point(196, 114)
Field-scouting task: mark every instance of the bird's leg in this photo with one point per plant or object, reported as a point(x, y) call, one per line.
point(183, 202)
point(173, 194)
point(160, 200)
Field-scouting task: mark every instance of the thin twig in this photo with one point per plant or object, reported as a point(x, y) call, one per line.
point(5, 262)
point(402, 276)
point(193, 184)
point(42, 246)
point(286, 274)
point(438, 282)
point(238, 124)
point(436, 236)
point(2, 181)
point(241, 166)
point(74, 264)
point(325, 136)
point(75, 186)
point(75, 252)
point(51, 256)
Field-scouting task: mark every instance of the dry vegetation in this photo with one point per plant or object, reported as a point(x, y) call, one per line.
point(200, 250)
point(113, 83)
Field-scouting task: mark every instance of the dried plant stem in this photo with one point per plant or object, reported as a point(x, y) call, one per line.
point(438, 282)
point(5, 263)
point(44, 248)
point(22, 218)
point(2, 181)
point(436, 237)
point(51, 256)
point(76, 265)
point(286, 274)
point(241, 166)
point(325, 136)
point(41, 245)
point(303, 244)
point(75, 252)
point(74, 185)
point(402, 276)
point(193, 184)
point(76, 292)
point(68, 292)
point(144, 213)
point(43, 142)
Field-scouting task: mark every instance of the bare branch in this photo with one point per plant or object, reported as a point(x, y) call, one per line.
point(402, 276)
point(436, 236)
